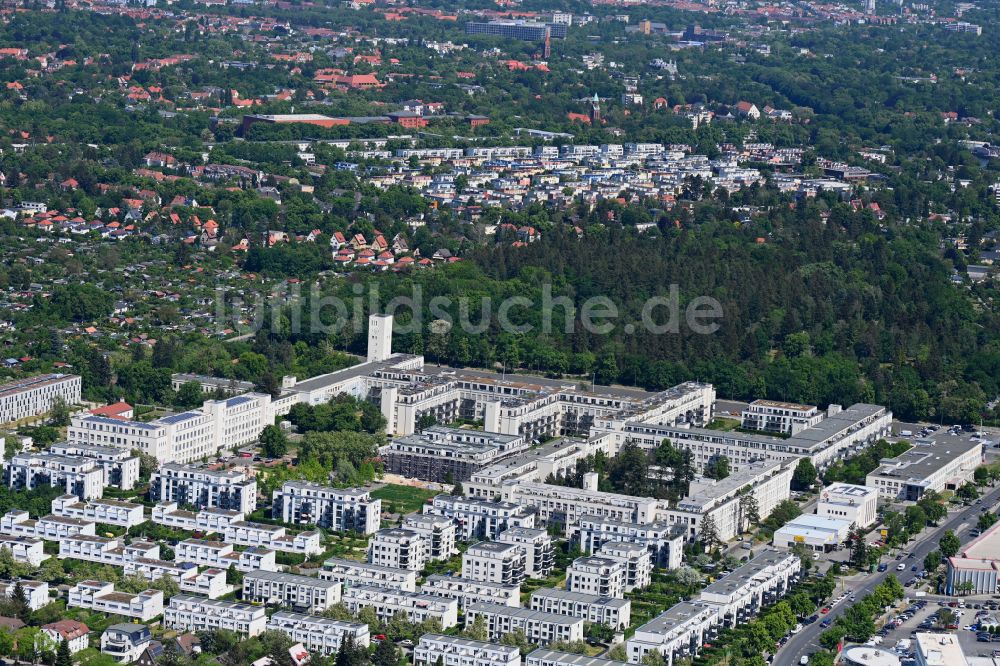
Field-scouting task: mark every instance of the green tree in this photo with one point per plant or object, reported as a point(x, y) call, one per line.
point(476, 630)
point(708, 535)
point(385, 655)
point(273, 441)
point(804, 476)
point(59, 412)
point(189, 395)
point(63, 656)
point(986, 521)
point(932, 561)
point(949, 544)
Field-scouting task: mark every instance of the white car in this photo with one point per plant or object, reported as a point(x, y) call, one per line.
point(900, 567)
point(804, 660)
point(797, 628)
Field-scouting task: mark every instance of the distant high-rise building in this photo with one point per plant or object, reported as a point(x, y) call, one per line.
point(523, 30)
point(870, 7)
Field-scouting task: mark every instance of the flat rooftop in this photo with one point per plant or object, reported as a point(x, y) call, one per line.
point(926, 458)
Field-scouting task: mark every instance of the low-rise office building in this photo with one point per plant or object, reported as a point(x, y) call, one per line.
point(398, 548)
point(665, 541)
point(186, 613)
point(479, 518)
point(438, 533)
point(494, 562)
point(301, 593)
point(930, 465)
point(349, 572)
point(454, 651)
point(387, 602)
point(467, 591)
point(609, 611)
point(846, 501)
point(317, 633)
point(341, 509)
point(204, 488)
point(107, 511)
point(539, 628)
point(599, 576)
point(818, 533)
point(536, 545)
point(102, 597)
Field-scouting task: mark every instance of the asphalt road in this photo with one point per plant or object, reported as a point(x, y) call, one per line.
point(806, 641)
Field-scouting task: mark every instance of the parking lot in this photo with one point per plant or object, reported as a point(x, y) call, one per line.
point(921, 616)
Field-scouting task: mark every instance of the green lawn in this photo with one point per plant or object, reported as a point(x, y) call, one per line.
point(721, 423)
point(403, 498)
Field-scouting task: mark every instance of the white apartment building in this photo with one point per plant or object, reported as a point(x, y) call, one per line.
point(107, 511)
point(565, 505)
point(105, 550)
point(35, 591)
point(100, 596)
point(223, 555)
point(82, 477)
point(680, 631)
point(599, 576)
point(479, 518)
point(438, 533)
point(317, 633)
point(609, 611)
point(467, 591)
point(341, 509)
point(539, 628)
point(25, 549)
point(664, 541)
point(769, 483)
point(846, 501)
point(301, 593)
point(494, 562)
point(676, 633)
point(536, 545)
point(842, 432)
point(206, 520)
point(637, 560)
point(121, 468)
point(50, 528)
point(209, 582)
point(455, 651)
point(763, 580)
point(199, 433)
point(151, 568)
point(398, 548)
point(349, 572)
point(785, 417)
point(387, 602)
point(34, 396)
point(273, 537)
point(186, 613)
point(543, 657)
point(204, 488)
point(929, 465)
